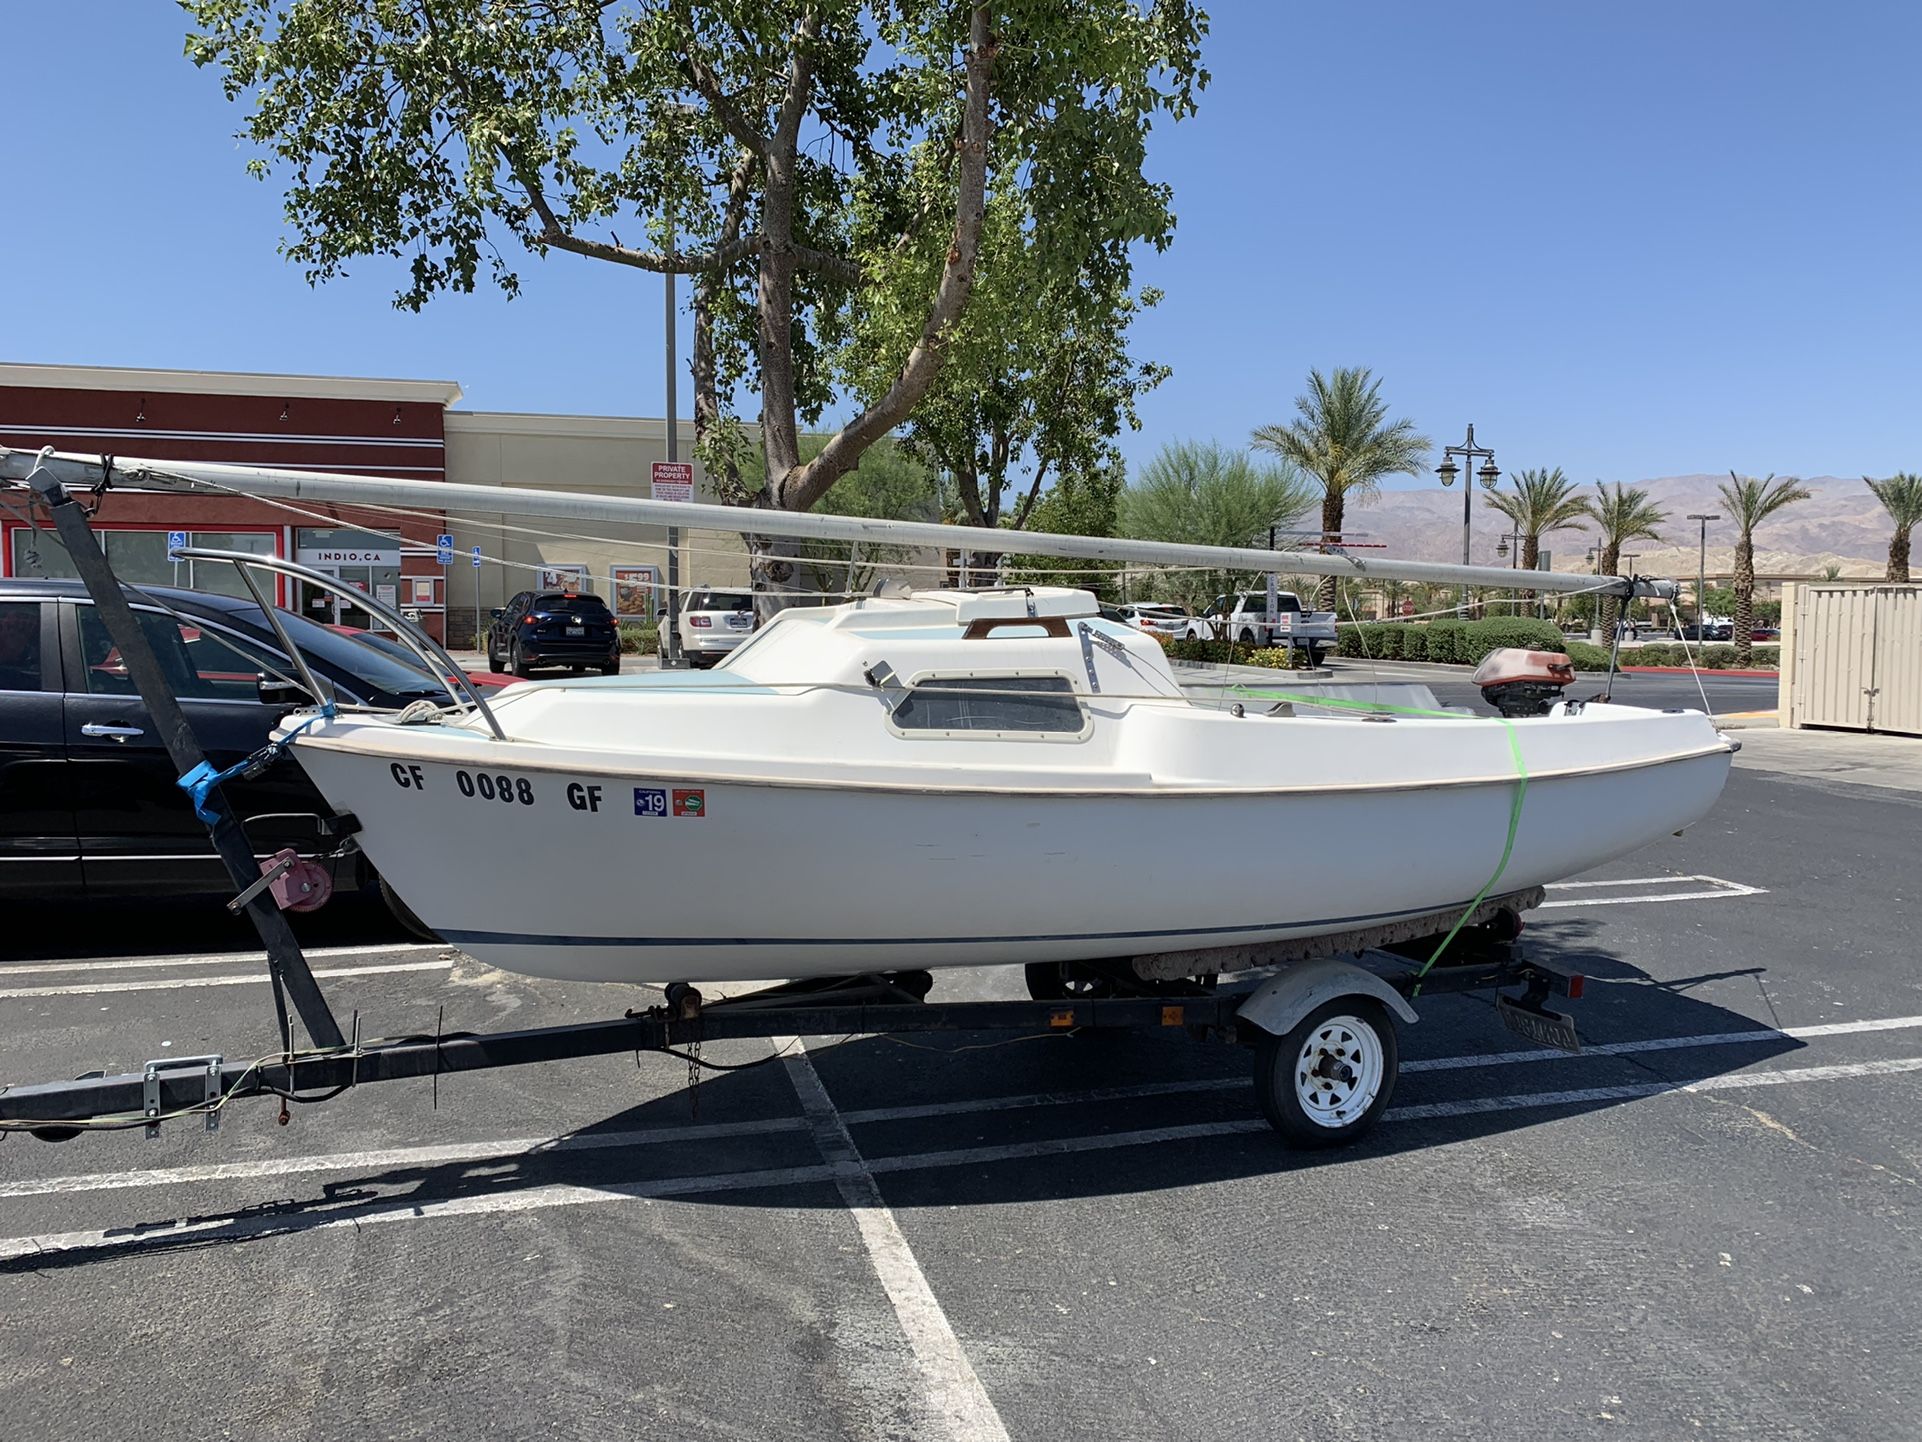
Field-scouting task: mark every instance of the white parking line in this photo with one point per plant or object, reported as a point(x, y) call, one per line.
point(563, 1195)
point(237, 958)
point(955, 1400)
point(454, 1153)
point(1715, 888)
point(173, 983)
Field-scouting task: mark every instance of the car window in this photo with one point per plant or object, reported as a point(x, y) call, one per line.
point(20, 646)
point(991, 703)
point(720, 601)
point(197, 664)
point(578, 603)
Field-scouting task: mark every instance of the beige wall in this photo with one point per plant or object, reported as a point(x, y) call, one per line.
point(609, 455)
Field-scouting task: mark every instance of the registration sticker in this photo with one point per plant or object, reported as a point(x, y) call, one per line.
point(690, 803)
point(649, 801)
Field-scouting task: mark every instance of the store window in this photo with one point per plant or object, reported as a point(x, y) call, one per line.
point(141, 557)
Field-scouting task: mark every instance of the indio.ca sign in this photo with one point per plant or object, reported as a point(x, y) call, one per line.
point(349, 556)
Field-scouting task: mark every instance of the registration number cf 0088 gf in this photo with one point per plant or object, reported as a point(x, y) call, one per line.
point(489, 786)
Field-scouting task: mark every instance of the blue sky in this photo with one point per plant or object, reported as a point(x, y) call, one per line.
point(1630, 239)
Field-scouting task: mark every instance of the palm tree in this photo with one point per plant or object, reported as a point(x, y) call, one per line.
point(1541, 501)
point(1344, 441)
point(1901, 497)
point(1622, 515)
point(1751, 502)
point(1200, 493)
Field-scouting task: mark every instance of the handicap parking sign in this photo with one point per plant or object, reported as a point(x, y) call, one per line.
point(176, 542)
point(444, 543)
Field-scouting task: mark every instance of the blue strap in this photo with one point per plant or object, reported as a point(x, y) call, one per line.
point(200, 782)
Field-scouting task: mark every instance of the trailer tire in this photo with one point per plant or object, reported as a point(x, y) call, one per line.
point(1327, 1081)
point(403, 913)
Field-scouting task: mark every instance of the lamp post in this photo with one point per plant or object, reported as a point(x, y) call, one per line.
point(1701, 574)
point(1448, 470)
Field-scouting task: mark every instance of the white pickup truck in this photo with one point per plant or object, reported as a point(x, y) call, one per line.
point(1243, 617)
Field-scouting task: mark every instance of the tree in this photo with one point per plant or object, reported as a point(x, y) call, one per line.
point(1199, 493)
point(1623, 515)
point(1901, 497)
point(1541, 501)
point(803, 160)
point(889, 485)
point(1081, 504)
point(1038, 382)
point(1343, 439)
point(1750, 502)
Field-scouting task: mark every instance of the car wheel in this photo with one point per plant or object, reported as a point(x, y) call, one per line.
point(404, 914)
point(516, 665)
point(611, 668)
point(1247, 636)
point(493, 656)
point(1315, 654)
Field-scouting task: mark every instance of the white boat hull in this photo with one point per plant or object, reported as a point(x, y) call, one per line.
point(760, 881)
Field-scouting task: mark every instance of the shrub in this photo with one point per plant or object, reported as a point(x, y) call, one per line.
point(1347, 640)
point(1446, 643)
point(1586, 657)
point(1478, 638)
point(1414, 643)
point(640, 640)
point(1280, 658)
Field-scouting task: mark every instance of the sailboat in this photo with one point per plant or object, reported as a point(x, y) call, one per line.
point(953, 778)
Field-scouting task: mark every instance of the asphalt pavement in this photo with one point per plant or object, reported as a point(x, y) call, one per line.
point(1703, 1226)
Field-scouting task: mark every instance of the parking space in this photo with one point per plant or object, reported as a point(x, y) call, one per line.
point(1702, 1225)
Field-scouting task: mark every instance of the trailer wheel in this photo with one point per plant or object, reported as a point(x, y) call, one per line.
point(1327, 1081)
point(1066, 981)
point(403, 913)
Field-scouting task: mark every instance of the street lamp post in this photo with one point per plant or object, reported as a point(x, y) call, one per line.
point(1514, 557)
point(1448, 470)
point(1701, 574)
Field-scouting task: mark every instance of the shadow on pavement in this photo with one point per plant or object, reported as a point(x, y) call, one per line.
point(1202, 1124)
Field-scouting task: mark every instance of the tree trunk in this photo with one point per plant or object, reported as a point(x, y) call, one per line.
point(1531, 557)
point(1899, 557)
point(1744, 598)
point(1611, 604)
point(1332, 509)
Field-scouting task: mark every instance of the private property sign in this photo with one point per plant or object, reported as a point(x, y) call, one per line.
point(673, 481)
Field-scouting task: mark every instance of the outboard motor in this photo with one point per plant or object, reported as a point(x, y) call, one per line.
point(1519, 682)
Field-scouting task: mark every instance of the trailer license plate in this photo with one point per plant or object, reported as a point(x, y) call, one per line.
point(1545, 1028)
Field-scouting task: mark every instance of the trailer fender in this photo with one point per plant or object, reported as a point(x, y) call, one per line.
point(1284, 999)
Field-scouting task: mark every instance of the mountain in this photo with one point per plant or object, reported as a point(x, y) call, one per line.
point(1840, 524)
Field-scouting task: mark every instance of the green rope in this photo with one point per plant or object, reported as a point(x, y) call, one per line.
point(1514, 806)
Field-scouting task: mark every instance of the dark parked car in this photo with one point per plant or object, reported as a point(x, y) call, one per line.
point(88, 802)
point(554, 628)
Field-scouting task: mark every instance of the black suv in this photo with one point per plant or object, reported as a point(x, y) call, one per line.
point(88, 801)
point(553, 628)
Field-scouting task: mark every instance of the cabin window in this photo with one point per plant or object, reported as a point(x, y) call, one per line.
point(1028, 704)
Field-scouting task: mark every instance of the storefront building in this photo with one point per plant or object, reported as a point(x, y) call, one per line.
point(399, 428)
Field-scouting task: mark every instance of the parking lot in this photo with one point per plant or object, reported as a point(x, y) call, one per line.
point(1705, 1225)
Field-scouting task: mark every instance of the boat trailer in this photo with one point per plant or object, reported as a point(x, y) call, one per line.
point(1322, 1023)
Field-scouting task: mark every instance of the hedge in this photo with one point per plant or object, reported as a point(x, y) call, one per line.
point(1710, 658)
point(640, 640)
point(1216, 653)
point(1462, 643)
